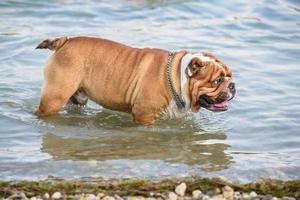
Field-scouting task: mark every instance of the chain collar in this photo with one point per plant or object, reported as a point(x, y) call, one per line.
point(177, 97)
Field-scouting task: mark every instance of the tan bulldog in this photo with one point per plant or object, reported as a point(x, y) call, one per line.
point(149, 83)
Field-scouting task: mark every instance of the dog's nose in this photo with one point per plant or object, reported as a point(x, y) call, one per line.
point(231, 87)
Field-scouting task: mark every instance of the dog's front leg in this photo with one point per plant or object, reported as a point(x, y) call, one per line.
point(144, 116)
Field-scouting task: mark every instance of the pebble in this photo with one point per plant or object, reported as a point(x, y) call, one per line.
point(180, 189)
point(252, 195)
point(91, 197)
point(267, 197)
point(245, 196)
point(46, 196)
point(217, 191)
point(135, 198)
point(237, 196)
point(18, 195)
point(171, 196)
point(197, 194)
point(218, 197)
point(227, 192)
point(56, 195)
point(205, 197)
point(108, 198)
point(117, 197)
point(100, 195)
point(288, 198)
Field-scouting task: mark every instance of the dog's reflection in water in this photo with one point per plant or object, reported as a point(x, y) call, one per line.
point(181, 148)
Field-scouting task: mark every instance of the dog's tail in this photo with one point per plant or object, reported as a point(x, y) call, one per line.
point(54, 44)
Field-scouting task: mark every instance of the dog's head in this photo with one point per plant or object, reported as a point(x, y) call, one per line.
point(209, 82)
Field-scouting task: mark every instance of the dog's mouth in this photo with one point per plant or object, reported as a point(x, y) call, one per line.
point(221, 102)
point(207, 103)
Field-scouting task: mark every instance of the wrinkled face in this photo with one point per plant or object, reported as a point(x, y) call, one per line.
point(210, 83)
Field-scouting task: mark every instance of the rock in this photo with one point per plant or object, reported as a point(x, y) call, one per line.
point(90, 197)
point(135, 198)
point(217, 191)
point(245, 196)
point(56, 195)
point(197, 194)
point(252, 195)
point(33, 198)
point(180, 189)
point(205, 197)
point(76, 197)
point(187, 198)
point(46, 196)
point(227, 192)
point(288, 198)
point(82, 196)
point(267, 197)
point(151, 194)
point(210, 193)
point(117, 197)
point(218, 197)
point(18, 195)
point(275, 198)
point(100, 195)
point(108, 198)
point(150, 198)
point(237, 196)
point(171, 196)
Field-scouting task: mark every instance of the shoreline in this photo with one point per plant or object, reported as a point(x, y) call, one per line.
point(213, 188)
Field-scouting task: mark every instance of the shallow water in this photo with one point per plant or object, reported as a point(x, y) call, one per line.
point(258, 137)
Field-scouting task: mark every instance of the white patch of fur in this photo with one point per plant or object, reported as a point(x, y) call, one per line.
point(172, 110)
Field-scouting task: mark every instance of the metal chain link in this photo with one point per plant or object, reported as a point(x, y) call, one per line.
point(178, 100)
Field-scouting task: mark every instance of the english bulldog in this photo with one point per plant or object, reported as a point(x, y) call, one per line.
point(148, 83)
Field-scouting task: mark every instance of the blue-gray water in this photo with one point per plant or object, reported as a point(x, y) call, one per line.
point(258, 137)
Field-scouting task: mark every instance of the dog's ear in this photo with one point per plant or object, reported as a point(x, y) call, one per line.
point(194, 67)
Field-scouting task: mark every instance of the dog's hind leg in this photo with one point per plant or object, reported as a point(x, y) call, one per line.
point(60, 84)
point(53, 98)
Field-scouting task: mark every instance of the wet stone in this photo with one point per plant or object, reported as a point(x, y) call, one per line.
point(237, 196)
point(227, 192)
point(90, 197)
point(171, 196)
point(267, 197)
point(135, 198)
point(205, 197)
point(288, 198)
point(46, 196)
point(252, 195)
point(108, 198)
point(197, 194)
point(218, 197)
point(245, 196)
point(117, 197)
point(100, 195)
point(180, 189)
point(56, 195)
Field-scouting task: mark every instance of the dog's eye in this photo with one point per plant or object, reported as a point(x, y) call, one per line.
point(217, 81)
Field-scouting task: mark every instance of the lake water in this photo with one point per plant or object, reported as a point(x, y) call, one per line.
point(258, 137)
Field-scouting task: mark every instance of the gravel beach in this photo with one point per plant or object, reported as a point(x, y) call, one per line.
point(189, 189)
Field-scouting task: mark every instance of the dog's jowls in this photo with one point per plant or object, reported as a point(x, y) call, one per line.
point(129, 79)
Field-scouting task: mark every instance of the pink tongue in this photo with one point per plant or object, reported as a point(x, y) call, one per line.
point(221, 105)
